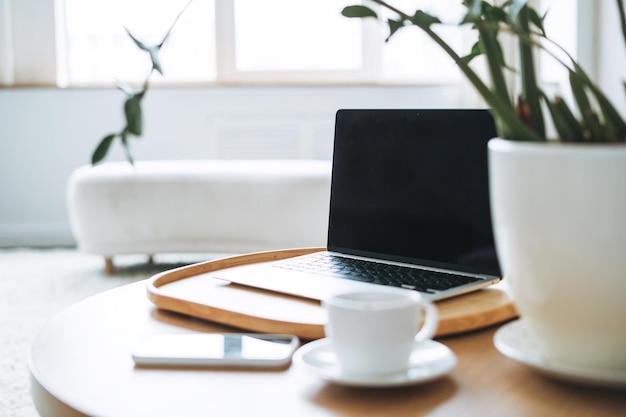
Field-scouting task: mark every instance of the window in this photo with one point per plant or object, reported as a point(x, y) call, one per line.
point(274, 35)
point(560, 18)
point(98, 49)
point(247, 41)
point(83, 42)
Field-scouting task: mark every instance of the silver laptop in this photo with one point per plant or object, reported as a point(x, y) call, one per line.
point(409, 208)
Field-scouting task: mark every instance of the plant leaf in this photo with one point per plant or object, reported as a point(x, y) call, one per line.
point(494, 14)
point(536, 20)
point(167, 34)
point(139, 44)
point(358, 11)
point(530, 90)
point(612, 116)
point(424, 20)
point(102, 149)
point(126, 146)
point(590, 117)
point(474, 10)
point(132, 110)
point(515, 8)
point(477, 50)
point(394, 26)
point(568, 128)
point(154, 57)
point(153, 50)
point(578, 89)
point(613, 121)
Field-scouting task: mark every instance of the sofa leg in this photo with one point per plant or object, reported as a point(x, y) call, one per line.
point(109, 268)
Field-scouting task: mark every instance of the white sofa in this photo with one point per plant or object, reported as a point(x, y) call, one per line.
point(228, 206)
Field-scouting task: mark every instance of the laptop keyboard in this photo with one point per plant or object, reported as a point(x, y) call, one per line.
point(423, 280)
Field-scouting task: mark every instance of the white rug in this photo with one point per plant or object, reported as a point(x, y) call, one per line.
point(36, 284)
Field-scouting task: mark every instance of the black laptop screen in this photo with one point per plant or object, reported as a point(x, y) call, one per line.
point(412, 186)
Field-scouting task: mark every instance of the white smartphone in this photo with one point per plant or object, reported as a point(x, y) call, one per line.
point(217, 349)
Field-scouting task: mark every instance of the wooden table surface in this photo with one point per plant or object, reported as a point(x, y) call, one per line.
point(81, 365)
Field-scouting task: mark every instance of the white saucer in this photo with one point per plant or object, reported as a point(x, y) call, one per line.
point(430, 360)
point(513, 341)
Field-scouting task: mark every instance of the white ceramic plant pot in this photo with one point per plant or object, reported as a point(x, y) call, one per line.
point(559, 215)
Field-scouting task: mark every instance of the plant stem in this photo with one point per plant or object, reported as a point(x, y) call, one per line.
point(489, 41)
point(508, 125)
point(530, 90)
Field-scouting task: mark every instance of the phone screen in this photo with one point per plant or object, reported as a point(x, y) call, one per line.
point(228, 349)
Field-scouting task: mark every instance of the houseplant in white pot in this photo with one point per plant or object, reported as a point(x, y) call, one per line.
point(558, 199)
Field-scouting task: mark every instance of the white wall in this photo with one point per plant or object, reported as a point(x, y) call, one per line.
point(47, 133)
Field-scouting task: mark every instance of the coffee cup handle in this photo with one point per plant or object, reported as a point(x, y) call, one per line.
point(431, 320)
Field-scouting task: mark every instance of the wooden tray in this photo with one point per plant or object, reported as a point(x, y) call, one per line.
point(191, 290)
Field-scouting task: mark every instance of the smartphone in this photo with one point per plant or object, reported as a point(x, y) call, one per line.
point(217, 349)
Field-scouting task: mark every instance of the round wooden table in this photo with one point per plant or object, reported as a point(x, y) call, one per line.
point(81, 365)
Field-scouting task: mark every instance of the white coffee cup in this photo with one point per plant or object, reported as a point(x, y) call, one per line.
point(376, 331)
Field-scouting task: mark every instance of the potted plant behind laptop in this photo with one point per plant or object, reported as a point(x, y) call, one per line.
point(558, 200)
point(133, 113)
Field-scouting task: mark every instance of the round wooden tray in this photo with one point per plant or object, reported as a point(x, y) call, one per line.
point(191, 290)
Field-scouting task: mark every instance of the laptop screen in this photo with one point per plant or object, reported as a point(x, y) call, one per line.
point(412, 186)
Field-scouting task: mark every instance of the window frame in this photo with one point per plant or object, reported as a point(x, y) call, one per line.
point(228, 73)
point(34, 25)
point(31, 25)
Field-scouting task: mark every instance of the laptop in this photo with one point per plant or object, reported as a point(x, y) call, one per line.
point(409, 208)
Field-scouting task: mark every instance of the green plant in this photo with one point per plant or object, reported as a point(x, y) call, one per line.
point(594, 119)
point(133, 113)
